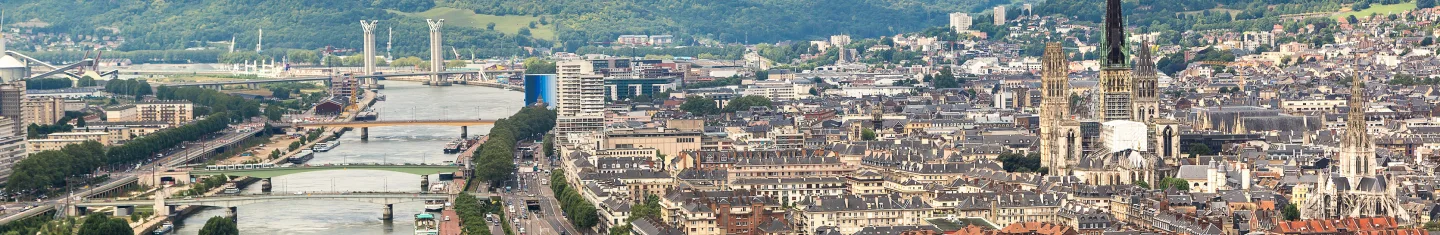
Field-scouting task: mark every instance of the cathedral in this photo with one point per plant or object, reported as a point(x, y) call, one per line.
point(1128, 98)
point(1357, 190)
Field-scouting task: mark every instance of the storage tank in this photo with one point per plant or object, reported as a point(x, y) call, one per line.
point(13, 69)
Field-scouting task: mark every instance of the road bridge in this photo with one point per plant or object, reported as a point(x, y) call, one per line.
point(255, 83)
point(365, 126)
point(273, 172)
point(388, 199)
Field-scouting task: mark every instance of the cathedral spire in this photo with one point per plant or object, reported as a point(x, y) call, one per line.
point(1114, 35)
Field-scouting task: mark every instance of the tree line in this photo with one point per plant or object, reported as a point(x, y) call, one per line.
point(131, 87)
point(700, 106)
point(581, 212)
point(213, 101)
point(47, 169)
point(493, 158)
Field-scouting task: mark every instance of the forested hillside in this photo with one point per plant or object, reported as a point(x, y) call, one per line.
point(309, 24)
point(299, 24)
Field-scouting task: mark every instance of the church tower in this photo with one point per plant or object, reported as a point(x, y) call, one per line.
point(1115, 79)
point(1146, 102)
point(1357, 156)
point(1059, 138)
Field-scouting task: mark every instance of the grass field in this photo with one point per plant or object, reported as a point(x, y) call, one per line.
point(1377, 9)
point(509, 24)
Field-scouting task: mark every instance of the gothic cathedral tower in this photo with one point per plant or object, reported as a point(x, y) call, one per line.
point(1115, 79)
point(1145, 101)
point(1059, 133)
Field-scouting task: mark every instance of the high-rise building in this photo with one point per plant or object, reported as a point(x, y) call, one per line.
point(42, 110)
point(840, 40)
point(12, 146)
point(579, 99)
point(1115, 79)
point(1060, 138)
point(960, 21)
point(1000, 15)
point(11, 97)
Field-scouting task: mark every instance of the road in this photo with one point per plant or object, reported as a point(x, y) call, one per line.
point(548, 220)
point(171, 157)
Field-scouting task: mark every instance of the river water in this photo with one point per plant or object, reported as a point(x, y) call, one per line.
point(405, 144)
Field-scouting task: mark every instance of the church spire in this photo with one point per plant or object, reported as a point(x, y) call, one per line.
point(1358, 156)
point(1114, 35)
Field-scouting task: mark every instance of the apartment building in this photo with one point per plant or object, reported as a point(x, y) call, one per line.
point(174, 112)
point(42, 110)
point(723, 212)
point(851, 213)
point(56, 141)
point(580, 99)
point(12, 146)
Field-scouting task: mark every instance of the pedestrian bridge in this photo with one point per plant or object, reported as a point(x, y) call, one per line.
point(368, 124)
point(273, 172)
point(382, 198)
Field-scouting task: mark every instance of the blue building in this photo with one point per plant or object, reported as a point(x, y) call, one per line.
point(540, 88)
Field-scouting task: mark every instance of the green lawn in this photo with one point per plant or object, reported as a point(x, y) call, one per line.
point(1378, 9)
point(509, 24)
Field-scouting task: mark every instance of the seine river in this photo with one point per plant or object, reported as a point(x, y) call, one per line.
point(410, 144)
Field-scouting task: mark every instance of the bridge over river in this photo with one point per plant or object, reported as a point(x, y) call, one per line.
point(388, 199)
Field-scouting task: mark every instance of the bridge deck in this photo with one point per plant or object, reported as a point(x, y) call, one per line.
point(279, 171)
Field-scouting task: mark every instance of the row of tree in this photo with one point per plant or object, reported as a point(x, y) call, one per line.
point(215, 101)
point(472, 213)
point(49, 169)
point(700, 105)
point(581, 212)
point(493, 158)
point(132, 87)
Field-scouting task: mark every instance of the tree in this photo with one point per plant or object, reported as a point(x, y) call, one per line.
point(1142, 184)
point(1198, 149)
point(101, 224)
point(280, 93)
point(1292, 212)
point(1433, 225)
point(534, 65)
point(219, 226)
point(524, 32)
point(946, 79)
point(490, 26)
point(867, 134)
point(699, 106)
point(1422, 4)
point(1173, 183)
point(1015, 162)
point(762, 75)
point(1427, 41)
point(744, 103)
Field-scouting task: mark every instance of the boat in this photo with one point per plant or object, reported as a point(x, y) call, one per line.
point(434, 205)
point(230, 189)
point(425, 224)
point(455, 146)
point(325, 146)
point(302, 157)
point(164, 229)
point(380, 98)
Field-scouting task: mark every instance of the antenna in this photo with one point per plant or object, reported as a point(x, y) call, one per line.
point(260, 41)
point(390, 34)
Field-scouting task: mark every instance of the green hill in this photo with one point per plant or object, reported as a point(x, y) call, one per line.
point(308, 24)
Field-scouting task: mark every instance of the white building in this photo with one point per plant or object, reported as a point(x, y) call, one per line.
point(960, 21)
point(999, 15)
point(579, 98)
